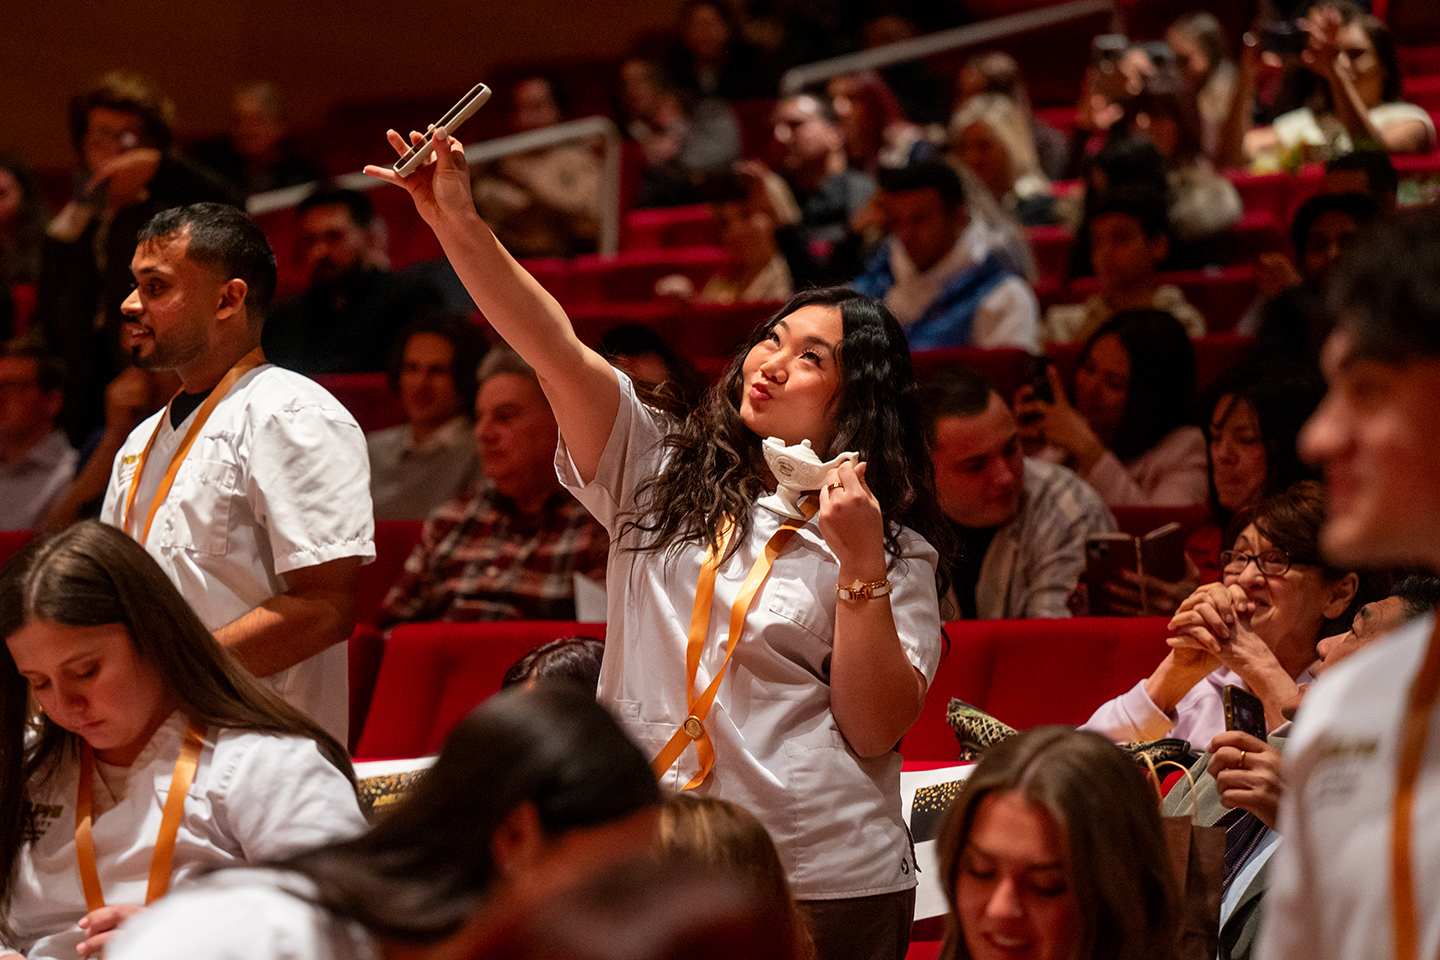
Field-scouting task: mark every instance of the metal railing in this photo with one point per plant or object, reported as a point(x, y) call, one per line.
point(586, 128)
point(798, 78)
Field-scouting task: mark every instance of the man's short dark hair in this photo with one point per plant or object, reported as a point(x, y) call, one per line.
point(124, 93)
point(1385, 289)
point(362, 211)
point(467, 349)
point(954, 392)
point(49, 370)
point(1139, 200)
point(1382, 178)
point(934, 175)
point(1418, 595)
point(224, 238)
point(1356, 206)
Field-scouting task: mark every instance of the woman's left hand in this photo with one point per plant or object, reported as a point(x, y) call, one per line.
point(852, 524)
point(100, 925)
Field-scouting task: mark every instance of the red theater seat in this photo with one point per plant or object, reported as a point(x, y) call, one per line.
point(631, 275)
point(1138, 521)
point(365, 649)
point(1033, 672)
point(13, 541)
point(394, 539)
point(667, 228)
point(367, 396)
point(433, 673)
point(1003, 367)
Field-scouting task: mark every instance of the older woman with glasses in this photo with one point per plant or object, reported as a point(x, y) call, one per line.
point(1257, 628)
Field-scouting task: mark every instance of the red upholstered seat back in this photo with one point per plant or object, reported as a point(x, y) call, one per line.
point(394, 539)
point(432, 674)
point(1033, 672)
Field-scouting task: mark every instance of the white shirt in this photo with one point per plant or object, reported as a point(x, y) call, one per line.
point(834, 816)
point(1199, 716)
point(1329, 893)
point(255, 797)
point(277, 480)
point(242, 915)
point(1007, 316)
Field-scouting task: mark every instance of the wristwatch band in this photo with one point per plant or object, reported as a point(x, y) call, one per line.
point(859, 590)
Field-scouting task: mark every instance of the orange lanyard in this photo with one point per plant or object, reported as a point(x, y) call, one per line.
point(693, 729)
point(164, 856)
point(1413, 731)
point(247, 363)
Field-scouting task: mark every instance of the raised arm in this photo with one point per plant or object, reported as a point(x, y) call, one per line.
point(581, 386)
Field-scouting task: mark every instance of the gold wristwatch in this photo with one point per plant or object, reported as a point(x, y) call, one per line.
point(860, 590)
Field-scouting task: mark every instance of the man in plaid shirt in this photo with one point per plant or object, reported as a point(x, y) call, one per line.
point(509, 549)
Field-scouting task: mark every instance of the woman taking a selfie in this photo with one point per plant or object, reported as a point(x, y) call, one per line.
point(825, 631)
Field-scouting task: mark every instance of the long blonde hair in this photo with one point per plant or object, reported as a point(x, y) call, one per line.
point(1011, 127)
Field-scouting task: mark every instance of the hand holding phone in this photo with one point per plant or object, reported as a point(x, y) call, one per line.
point(1244, 712)
point(411, 160)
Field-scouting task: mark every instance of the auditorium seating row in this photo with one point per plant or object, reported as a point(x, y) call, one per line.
point(1025, 672)
point(367, 395)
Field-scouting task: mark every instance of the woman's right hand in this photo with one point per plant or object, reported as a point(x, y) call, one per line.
point(440, 188)
point(1208, 616)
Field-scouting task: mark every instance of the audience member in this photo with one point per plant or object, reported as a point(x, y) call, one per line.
point(1123, 159)
point(1202, 205)
point(874, 127)
point(121, 128)
point(940, 273)
point(1021, 523)
point(1354, 757)
point(995, 71)
point(1370, 172)
point(1357, 103)
point(427, 461)
point(830, 367)
point(745, 214)
point(543, 202)
point(1257, 628)
point(830, 193)
point(1128, 425)
point(347, 319)
point(1288, 319)
point(1203, 54)
point(1054, 847)
point(533, 790)
point(126, 679)
point(681, 139)
point(264, 528)
point(1128, 238)
point(569, 660)
point(510, 548)
point(725, 838)
point(713, 59)
point(22, 222)
point(129, 399)
point(37, 463)
point(989, 135)
point(1238, 783)
point(258, 153)
point(647, 358)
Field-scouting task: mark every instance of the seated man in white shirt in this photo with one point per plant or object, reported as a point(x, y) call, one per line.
point(1022, 524)
point(37, 462)
point(940, 272)
point(425, 462)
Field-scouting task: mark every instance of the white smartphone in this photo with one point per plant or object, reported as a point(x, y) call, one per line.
point(458, 114)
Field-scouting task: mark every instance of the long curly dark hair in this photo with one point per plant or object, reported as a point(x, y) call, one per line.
point(715, 471)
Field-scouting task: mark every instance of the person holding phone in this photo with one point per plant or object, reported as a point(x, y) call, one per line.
point(1257, 628)
point(834, 625)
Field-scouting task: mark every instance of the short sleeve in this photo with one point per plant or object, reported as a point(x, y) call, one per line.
point(308, 483)
point(915, 603)
point(278, 796)
point(632, 454)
